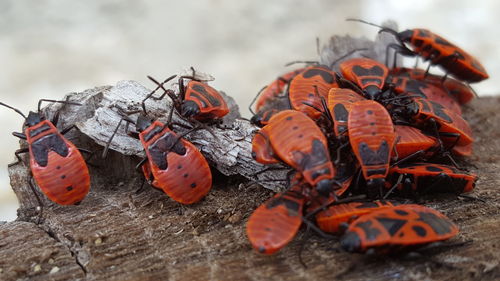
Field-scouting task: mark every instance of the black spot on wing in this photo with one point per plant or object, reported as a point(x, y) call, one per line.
point(325, 75)
point(201, 89)
point(42, 146)
point(391, 225)
point(164, 145)
point(372, 71)
point(438, 109)
point(420, 231)
point(370, 157)
point(308, 161)
point(432, 168)
point(440, 225)
point(292, 207)
point(441, 41)
point(340, 112)
point(401, 212)
point(153, 132)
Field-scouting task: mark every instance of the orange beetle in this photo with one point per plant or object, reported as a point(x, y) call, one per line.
point(372, 138)
point(196, 99)
point(368, 74)
point(429, 178)
point(413, 87)
point(306, 89)
point(56, 163)
point(458, 90)
point(276, 222)
point(437, 50)
point(399, 227)
point(295, 139)
point(275, 88)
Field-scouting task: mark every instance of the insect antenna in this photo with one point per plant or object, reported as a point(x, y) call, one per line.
point(13, 108)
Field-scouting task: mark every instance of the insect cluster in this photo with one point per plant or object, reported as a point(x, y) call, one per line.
point(365, 128)
point(371, 129)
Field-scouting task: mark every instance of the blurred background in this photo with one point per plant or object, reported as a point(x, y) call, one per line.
point(49, 48)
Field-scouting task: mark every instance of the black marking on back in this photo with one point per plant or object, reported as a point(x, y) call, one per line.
point(292, 207)
point(161, 147)
point(438, 110)
point(372, 71)
point(441, 41)
point(420, 231)
point(371, 233)
point(391, 225)
point(153, 132)
point(340, 112)
point(39, 130)
point(440, 225)
point(425, 105)
point(203, 91)
point(317, 157)
point(325, 75)
point(431, 168)
point(199, 98)
point(370, 157)
point(414, 87)
point(401, 212)
point(42, 146)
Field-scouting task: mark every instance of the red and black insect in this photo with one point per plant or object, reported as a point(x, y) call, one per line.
point(420, 178)
point(372, 139)
point(436, 93)
point(295, 139)
point(450, 127)
point(337, 217)
point(306, 90)
point(56, 164)
point(274, 89)
point(397, 228)
point(276, 222)
point(173, 164)
point(195, 100)
point(270, 108)
point(367, 74)
point(463, 93)
point(437, 50)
